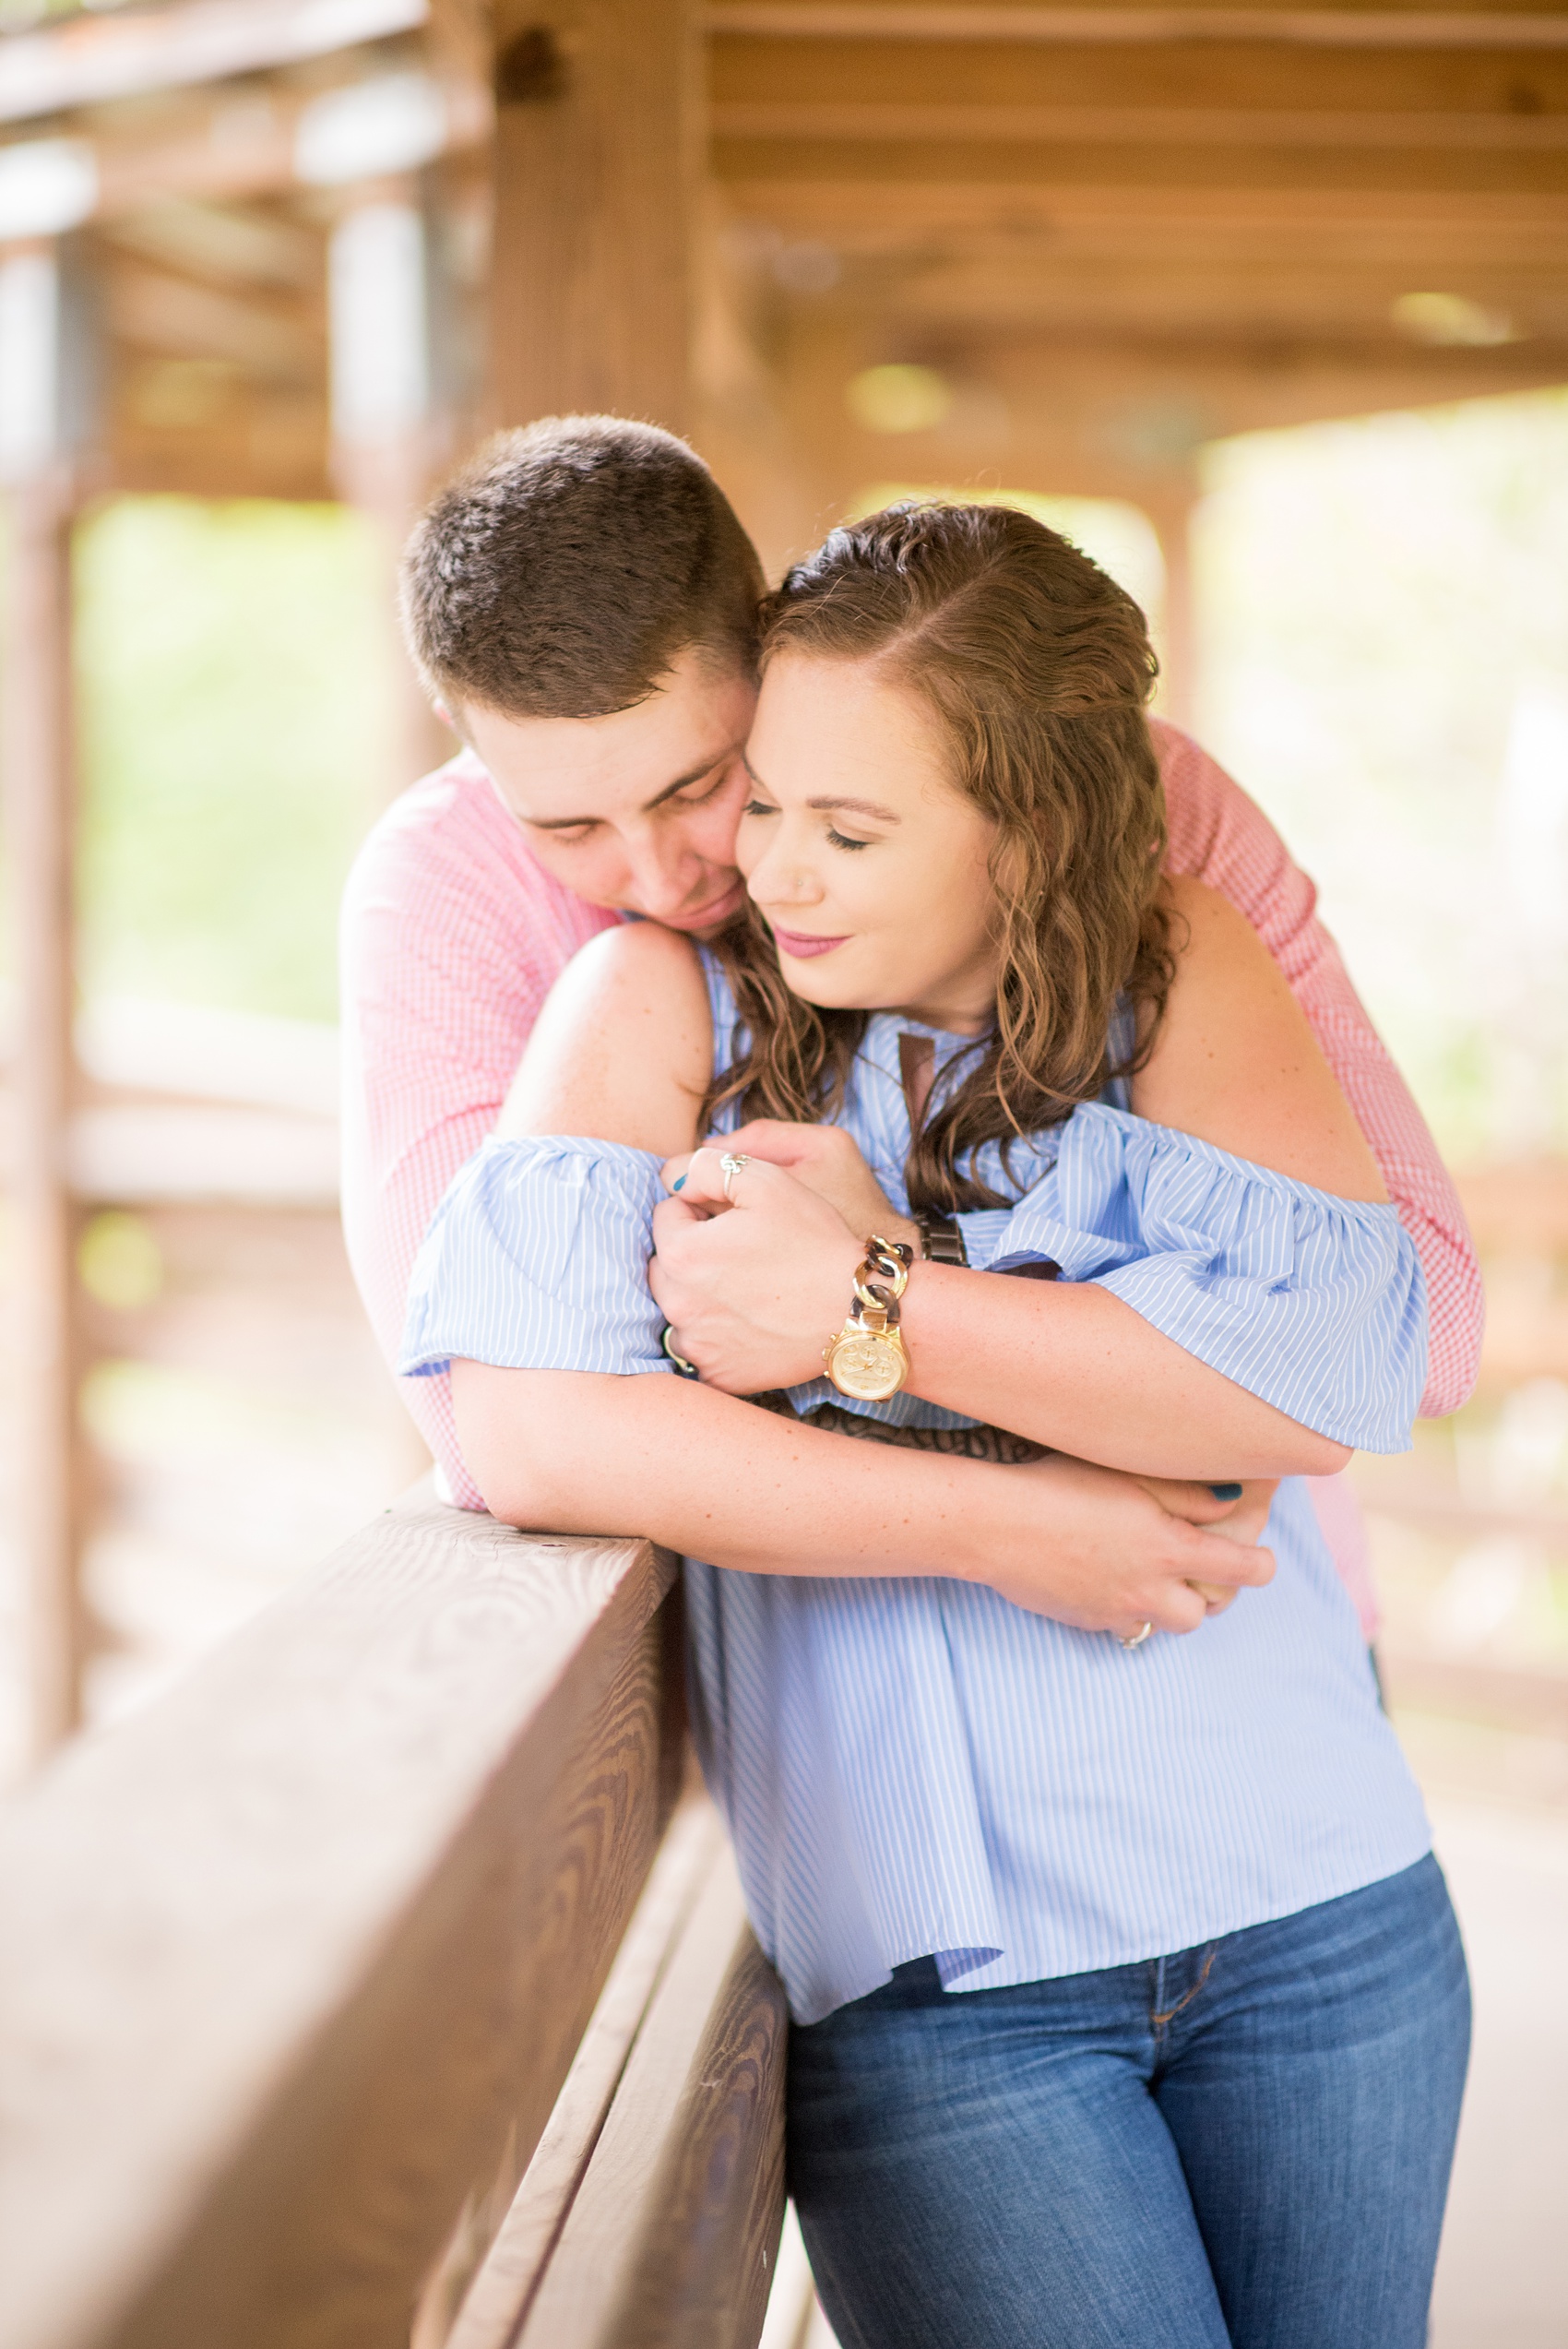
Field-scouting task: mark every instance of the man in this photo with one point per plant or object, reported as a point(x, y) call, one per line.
point(579, 600)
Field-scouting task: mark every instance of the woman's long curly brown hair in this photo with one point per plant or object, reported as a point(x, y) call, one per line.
point(1037, 667)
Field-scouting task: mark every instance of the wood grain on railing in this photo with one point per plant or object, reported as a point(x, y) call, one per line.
point(672, 2237)
point(295, 1959)
point(501, 2292)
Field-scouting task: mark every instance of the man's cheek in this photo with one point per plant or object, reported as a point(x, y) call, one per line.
point(591, 874)
point(719, 833)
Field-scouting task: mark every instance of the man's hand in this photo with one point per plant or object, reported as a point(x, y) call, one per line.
point(1109, 1557)
point(828, 1161)
point(1240, 1521)
point(752, 1288)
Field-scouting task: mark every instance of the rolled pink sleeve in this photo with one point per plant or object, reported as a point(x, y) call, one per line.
point(451, 937)
point(1218, 836)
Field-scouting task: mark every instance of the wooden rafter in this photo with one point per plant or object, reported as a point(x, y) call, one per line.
point(1053, 27)
point(94, 59)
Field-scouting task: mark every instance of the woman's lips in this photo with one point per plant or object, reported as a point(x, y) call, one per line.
point(801, 945)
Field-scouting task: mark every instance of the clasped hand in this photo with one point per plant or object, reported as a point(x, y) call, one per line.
point(753, 1287)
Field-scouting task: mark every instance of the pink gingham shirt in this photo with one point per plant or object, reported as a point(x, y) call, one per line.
point(453, 935)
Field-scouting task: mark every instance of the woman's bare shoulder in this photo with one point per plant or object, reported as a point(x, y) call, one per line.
point(624, 1046)
point(1235, 1061)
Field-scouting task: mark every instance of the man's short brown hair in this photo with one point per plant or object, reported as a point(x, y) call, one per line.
point(562, 571)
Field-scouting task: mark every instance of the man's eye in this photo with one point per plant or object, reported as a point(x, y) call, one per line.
point(837, 839)
point(574, 838)
point(699, 794)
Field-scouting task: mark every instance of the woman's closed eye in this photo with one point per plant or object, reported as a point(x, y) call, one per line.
point(759, 807)
point(841, 840)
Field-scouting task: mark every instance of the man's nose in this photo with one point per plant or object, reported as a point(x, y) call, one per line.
point(663, 873)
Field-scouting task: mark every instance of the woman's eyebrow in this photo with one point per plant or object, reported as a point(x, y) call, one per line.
point(859, 807)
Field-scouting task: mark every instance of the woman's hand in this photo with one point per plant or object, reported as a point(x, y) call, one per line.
point(828, 1161)
point(754, 1286)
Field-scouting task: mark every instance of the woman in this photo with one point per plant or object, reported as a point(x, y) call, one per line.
point(1130, 2007)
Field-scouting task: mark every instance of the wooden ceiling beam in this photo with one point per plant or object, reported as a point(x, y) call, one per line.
point(243, 141)
point(1146, 116)
point(92, 59)
point(222, 242)
point(1114, 419)
point(894, 20)
point(1384, 83)
point(860, 210)
point(1194, 300)
point(280, 342)
point(1022, 169)
point(945, 123)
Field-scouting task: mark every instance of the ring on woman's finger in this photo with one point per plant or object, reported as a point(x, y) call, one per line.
point(1138, 1636)
point(734, 1163)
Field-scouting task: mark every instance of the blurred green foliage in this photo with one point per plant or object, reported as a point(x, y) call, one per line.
point(233, 698)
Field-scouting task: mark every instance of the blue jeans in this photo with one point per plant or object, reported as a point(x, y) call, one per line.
point(1244, 2146)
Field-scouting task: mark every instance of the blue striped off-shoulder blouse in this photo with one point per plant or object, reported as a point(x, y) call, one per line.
point(917, 1767)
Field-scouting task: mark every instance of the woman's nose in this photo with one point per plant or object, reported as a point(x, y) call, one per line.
point(780, 876)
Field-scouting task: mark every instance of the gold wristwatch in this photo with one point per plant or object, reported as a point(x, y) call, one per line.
point(868, 1358)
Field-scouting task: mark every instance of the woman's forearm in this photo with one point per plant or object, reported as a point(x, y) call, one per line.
point(719, 1480)
point(1078, 1368)
point(754, 1294)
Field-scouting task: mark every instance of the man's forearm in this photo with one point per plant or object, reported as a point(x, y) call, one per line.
point(714, 1477)
point(743, 1488)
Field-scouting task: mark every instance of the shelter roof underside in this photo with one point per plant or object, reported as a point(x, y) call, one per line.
point(1241, 216)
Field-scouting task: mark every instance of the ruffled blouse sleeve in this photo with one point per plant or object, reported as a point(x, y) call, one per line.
point(1315, 1304)
point(536, 1259)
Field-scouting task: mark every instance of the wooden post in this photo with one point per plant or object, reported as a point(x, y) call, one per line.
point(598, 159)
point(386, 414)
point(1177, 695)
point(36, 394)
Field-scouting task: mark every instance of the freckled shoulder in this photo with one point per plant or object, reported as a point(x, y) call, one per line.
point(1236, 1062)
point(623, 1047)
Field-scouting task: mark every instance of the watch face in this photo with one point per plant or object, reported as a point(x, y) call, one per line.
point(871, 1368)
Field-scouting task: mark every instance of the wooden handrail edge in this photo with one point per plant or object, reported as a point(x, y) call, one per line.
point(191, 1903)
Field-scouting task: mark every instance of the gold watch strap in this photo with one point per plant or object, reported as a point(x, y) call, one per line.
point(881, 1278)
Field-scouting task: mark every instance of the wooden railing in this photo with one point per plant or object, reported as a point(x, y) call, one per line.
point(387, 1981)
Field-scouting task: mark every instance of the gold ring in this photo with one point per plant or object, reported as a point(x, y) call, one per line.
point(733, 1164)
point(687, 1369)
point(1138, 1636)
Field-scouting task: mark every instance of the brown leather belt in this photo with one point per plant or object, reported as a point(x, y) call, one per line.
point(994, 1444)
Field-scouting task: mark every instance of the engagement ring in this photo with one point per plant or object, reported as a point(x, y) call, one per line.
point(1138, 1636)
point(731, 1165)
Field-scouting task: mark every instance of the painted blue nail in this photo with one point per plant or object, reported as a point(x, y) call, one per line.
point(1226, 1492)
point(680, 1185)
